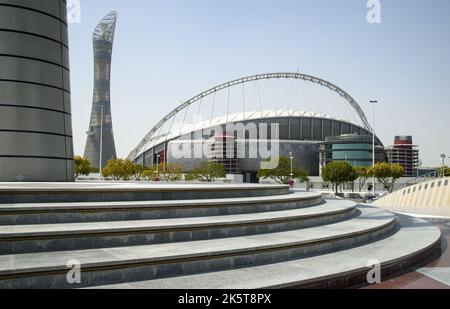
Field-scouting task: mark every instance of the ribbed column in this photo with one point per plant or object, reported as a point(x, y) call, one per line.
point(35, 113)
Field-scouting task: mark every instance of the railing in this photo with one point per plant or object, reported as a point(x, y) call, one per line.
point(417, 180)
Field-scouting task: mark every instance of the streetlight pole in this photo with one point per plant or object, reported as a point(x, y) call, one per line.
point(373, 102)
point(101, 144)
point(292, 165)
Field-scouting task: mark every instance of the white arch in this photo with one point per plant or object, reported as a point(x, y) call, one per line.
point(268, 76)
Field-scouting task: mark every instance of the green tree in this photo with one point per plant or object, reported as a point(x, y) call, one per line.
point(82, 166)
point(150, 174)
point(387, 174)
point(444, 171)
point(363, 175)
point(352, 177)
point(207, 172)
point(338, 173)
point(282, 173)
point(138, 171)
point(171, 172)
point(128, 170)
point(95, 170)
point(119, 169)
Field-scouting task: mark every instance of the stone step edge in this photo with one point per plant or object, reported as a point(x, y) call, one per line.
point(181, 227)
point(354, 278)
point(62, 269)
point(8, 209)
point(117, 187)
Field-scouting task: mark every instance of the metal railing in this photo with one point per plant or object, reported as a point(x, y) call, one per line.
point(417, 180)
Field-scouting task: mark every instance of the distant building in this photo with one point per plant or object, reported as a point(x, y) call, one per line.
point(354, 149)
point(405, 153)
point(100, 129)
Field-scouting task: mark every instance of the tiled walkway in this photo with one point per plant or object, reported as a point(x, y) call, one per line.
point(435, 275)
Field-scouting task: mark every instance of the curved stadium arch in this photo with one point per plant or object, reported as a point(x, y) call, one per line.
point(301, 130)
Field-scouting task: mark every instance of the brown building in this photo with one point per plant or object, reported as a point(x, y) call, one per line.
point(405, 153)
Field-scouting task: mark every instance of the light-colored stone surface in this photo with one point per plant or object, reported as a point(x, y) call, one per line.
point(416, 236)
point(299, 196)
point(371, 219)
point(432, 197)
point(164, 224)
point(422, 212)
point(127, 186)
point(441, 274)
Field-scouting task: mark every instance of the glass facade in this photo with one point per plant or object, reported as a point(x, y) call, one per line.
point(295, 132)
point(355, 149)
point(306, 129)
point(355, 154)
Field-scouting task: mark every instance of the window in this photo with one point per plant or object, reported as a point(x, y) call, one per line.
point(284, 128)
point(269, 127)
point(345, 128)
point(336, 128)
point(446, 183)
point(327, 129)
point(306, 129)
point(439, 183)
point(317, 129)
point(356, 130)
point(295, 129)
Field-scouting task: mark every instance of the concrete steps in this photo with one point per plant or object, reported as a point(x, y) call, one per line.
point(416, 242)
point(107, 192)
point(75, 212)
point(57, 237)
point(141, 236)
point(136, 263)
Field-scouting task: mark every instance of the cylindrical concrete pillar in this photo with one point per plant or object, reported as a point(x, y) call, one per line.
point(35, 112)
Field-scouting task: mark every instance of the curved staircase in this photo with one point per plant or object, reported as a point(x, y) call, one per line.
point(199, 236)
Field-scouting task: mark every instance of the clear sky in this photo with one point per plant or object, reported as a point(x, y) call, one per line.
point(170, 50)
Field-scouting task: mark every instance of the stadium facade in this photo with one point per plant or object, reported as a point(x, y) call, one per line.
point(35, 108)
point(292, 127)
point(100, 139)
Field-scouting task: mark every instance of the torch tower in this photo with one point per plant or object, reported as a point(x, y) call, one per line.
point(100, 144)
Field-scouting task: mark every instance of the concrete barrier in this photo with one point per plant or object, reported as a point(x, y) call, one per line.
point(432, 194)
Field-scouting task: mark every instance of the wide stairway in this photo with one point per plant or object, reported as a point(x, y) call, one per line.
point(199, 236)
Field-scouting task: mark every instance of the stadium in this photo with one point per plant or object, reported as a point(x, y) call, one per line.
point(294, 113)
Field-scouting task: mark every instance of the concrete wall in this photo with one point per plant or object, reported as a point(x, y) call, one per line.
point(35, 112)
point(434, 193)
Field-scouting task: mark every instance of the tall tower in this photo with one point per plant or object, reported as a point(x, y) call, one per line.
point(99, 144)
point(35, 112)
point(405, 153)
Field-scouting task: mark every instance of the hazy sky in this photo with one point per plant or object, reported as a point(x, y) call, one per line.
point(169, 50)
